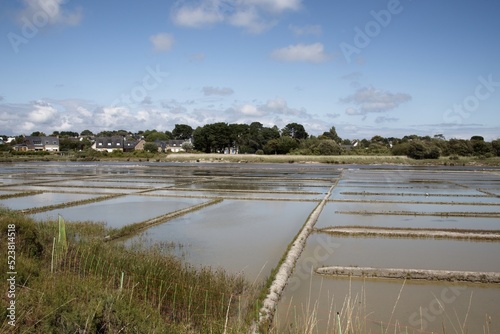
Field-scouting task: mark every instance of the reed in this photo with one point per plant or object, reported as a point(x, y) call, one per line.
point(105, 287)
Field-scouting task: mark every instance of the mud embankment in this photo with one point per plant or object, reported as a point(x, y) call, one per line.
point(416, 274)
point(266, 312)
point(476, 235)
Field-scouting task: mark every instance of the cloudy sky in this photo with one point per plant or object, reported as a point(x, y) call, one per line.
point(367, 67)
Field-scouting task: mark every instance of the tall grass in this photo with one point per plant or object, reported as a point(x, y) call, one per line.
point(100, 287)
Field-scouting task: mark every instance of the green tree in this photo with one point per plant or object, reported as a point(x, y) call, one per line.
point(294, 130)
point(151, 147)
point(282, 145)
point(329, 147)
point(187, 146)
point(419, 149)
point(86, 133)
point(182, 131)
point(153, 135)
point(38, 134)
point(331, 134)
point(460, 147)
point(495, 145)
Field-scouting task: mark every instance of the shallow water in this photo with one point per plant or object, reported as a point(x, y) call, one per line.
point(240, 236)
point(376, 299)
point(34, 201)
point(329, 218)
point(121, 211)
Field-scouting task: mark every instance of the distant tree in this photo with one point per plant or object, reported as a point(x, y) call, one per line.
point(481, 148)
point(379, 140)
point(294, 130)
point(331, 134)
point(212, 137)
point(282, 145)
point(480, 138)
point(38, 134)
point(419, 149)
point(187, 146)
point(67, 134)
point(86, 133)
point(401, 149)
point(346, 142)
point(495, 147)
point(439, 136)
point(182, 131)
point(329, 147)
point(153, 135)
point(151, 147)
point(460, 147)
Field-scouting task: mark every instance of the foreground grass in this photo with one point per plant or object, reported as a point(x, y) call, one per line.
point(100, 287)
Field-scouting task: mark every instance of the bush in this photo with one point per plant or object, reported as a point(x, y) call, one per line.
point(422, 150)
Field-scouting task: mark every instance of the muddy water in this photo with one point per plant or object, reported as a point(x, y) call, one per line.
point(375, 299)
point(122, 211)
point(246, 237)
point(412, 253)
point(34, 201)
point(330, 218)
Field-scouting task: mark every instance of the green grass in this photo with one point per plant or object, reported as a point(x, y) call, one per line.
point(86, 292)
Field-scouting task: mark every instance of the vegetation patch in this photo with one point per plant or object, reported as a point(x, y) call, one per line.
point(100, 287)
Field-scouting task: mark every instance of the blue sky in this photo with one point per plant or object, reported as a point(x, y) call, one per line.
point(389, 68)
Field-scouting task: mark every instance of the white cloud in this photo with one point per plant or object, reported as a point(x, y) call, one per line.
point(51, 10)
point(162, 41)
point(277, 5)
point(370, 99)
point(250, 110)
point(254, 16)
point(312, 53)
point(250, 20)
point(42, 113)
point(208, 90)
point(306, 30)
point(204, 14)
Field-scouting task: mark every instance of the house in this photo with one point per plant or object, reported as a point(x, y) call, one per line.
point(134, 145)
point(38, 143)
point(109, 144)
point(174, 145)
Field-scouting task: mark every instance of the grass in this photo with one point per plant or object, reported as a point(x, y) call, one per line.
point(101, 287)
point(253, 158)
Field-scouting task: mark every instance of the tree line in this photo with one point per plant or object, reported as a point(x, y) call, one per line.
point(255, 138)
